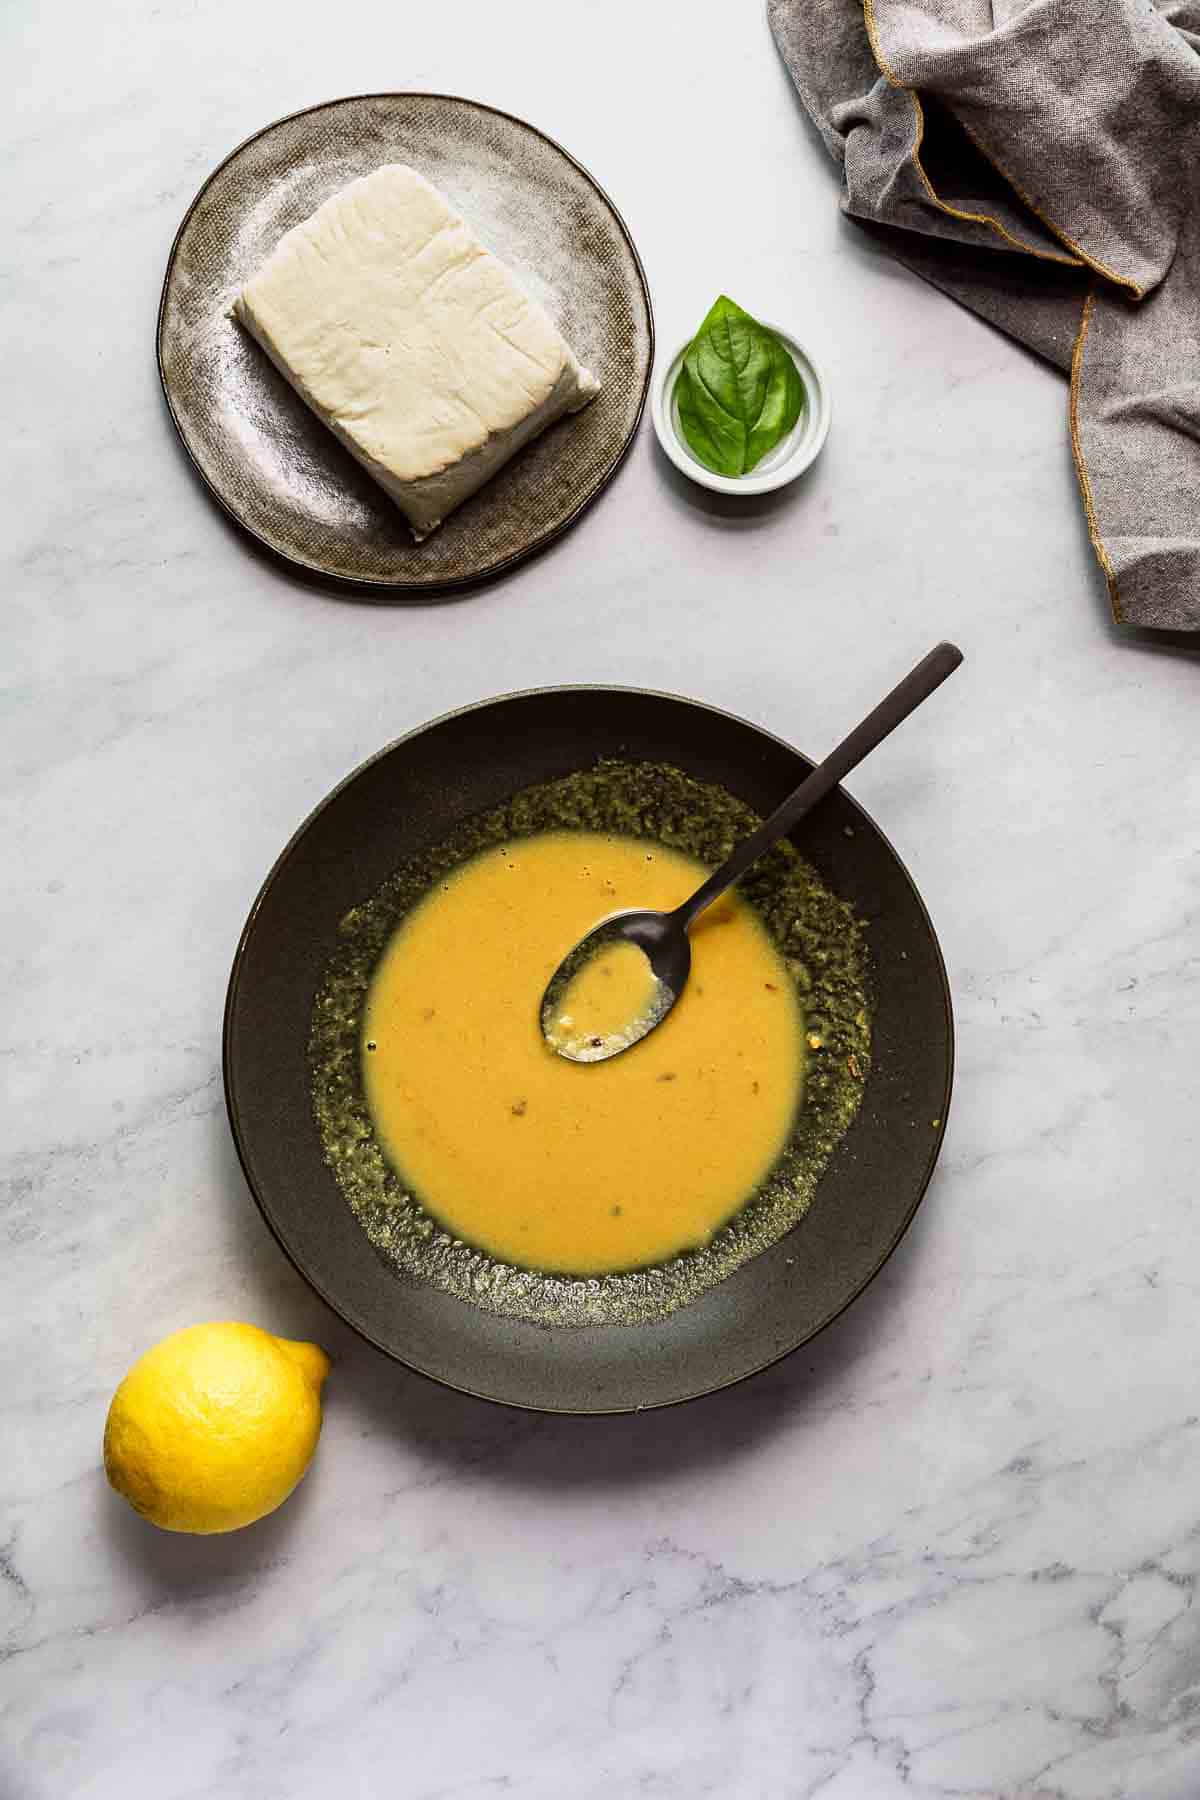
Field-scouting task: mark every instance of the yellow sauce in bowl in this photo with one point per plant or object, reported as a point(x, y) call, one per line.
point(582, 1169)
point(606, 1005)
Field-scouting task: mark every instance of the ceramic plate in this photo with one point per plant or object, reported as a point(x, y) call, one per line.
point(269, 461)
point(409, 798)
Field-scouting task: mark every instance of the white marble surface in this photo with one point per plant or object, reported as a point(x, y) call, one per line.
point(952, 1550)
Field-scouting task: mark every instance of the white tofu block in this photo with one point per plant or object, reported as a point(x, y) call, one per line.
point(413, 343)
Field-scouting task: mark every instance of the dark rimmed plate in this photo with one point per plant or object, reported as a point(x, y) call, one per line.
point(264, 456)
point(409, 798)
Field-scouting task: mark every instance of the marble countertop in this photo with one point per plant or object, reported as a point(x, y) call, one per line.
point(951, 1548)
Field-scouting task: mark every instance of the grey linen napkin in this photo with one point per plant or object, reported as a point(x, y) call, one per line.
point(1041, 163)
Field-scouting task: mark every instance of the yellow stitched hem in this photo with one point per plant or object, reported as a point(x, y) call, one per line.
point(1124, 281)
point(1079, 254)
point(1085, 486)
point(876, 46)
point(955, 212)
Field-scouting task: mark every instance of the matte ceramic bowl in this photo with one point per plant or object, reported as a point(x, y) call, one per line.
point(789, 458)
point(409, 798)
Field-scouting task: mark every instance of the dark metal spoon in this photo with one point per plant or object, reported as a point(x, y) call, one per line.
point(664, 936)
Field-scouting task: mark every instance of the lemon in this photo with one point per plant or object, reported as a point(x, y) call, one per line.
point(214, 1427)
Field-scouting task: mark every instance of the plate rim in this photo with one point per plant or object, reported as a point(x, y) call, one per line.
point(318, 1288)
point(380, 588)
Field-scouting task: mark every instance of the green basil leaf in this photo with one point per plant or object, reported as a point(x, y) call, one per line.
point(739, 392)
point(708, 432)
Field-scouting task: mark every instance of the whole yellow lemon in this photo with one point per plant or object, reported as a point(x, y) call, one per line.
point(214, 1427)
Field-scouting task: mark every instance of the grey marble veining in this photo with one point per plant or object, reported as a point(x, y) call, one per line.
point(952, 1549)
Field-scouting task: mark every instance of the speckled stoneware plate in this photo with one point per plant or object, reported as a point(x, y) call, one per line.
point(264, 456)
point(411, 797)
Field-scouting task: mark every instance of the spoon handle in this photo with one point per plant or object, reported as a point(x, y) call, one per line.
point(904, 698)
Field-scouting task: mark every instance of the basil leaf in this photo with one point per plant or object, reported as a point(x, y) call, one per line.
point(739, 393)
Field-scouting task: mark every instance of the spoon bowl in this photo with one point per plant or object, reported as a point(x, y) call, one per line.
point(663, 936)
point(664, 942)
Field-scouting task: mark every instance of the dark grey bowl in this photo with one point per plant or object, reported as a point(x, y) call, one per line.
point(409, 797)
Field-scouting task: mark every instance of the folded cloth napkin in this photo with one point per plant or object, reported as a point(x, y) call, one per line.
point(1041, 163)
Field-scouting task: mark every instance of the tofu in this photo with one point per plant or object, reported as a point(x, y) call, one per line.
point(410, 341)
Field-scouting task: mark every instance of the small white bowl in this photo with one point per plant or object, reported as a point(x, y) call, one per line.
point(788, 459)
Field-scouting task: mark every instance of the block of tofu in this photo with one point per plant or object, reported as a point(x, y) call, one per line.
point(410, 341)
